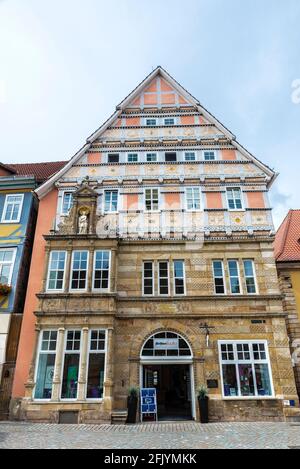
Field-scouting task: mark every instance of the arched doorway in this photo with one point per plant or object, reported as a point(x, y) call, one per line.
point(167, 365)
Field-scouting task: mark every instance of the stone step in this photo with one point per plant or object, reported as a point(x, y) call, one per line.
point(292, 414)
point(119, 417)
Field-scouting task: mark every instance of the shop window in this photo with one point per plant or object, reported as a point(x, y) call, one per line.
point(245, 369)
point(71, 365)
point(96, 365)
point(46, 363)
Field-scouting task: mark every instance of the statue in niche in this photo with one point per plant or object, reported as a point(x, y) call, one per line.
point(83, 222)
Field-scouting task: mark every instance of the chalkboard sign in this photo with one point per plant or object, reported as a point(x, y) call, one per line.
point(148, 402)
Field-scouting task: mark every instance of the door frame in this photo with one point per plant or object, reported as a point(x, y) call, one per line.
point(173, 362)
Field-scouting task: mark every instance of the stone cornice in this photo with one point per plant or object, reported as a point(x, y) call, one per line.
point(213, 298)
point(201, 316)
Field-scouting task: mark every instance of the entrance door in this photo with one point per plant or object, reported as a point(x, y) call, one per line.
point(173, 388)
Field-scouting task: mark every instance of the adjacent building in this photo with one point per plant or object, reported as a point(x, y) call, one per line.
point(287, 253)
point(18, 211)
point(153, 266)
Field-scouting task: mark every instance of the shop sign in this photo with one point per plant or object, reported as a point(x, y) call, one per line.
point(166, 344)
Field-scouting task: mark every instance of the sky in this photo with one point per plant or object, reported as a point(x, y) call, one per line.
point(66, 64)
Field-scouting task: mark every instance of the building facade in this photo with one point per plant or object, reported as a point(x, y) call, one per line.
point(287, 253)
point(18, 211)
point(153, 266)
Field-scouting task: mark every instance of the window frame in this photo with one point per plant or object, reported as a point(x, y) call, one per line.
point(224, 277)
point(153, 278)
point(150, 119)
point(184, 278)
point(241, 199)
point(151, 153)
point(79, 290)
point(110, 203)
point(132, 153)
point(239, 277)
point(17, 220)
point(104, 290)
point(238, 362)
point(48, 272)
point(254, 277)
point(186, 199)
point(158, 200)
point(159, 278)
point(37, 362)
point(190, 153)
point(70, 352)
point(12, 263)
point(210, 151)
point(89, 351)
point(62, 203)
point(170, 118)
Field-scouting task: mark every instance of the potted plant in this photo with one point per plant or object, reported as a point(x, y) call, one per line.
point(203, 404)
point(5, 289)
point(132, 404)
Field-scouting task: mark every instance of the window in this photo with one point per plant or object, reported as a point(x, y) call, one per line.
point(193, 198)
point(179, 283)
point(7, 260)
point(209, 155)
point(151, 200)
point(113, 158)
point(79, 270)
point(96, 365)
point(234, 275)
point(46, 363)
point(151, 122)
point(218, 270)
point(150, 157)
point(169, 121)
point(148, 278)
point(71, 365)
point(67, 203)
point(132, 157)
point(166, 344)
point(190, 156)
point(234, 198)
point(110, 201)
point(249, 276)
point(163, 278)
point(101, 270)
point(12, 208)
point(56, 272)
point(245, 369)
point(170, 157)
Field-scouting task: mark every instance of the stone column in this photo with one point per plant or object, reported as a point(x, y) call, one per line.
point(109, 378)
point(46, 265)
point(90, 269)
point(113, 270)
point(68, 268)
point(30, 384)
point(56, 385)
point(83, 365)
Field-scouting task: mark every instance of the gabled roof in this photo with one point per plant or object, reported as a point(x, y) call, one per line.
point(46, 187)
point(287, 240)
point(41, 171)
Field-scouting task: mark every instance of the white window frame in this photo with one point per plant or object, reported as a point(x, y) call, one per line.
point(71, 352)
point(16, 220)
point(184, 278)
point(152, 119)
point(153, 278)
point(62, 202)
point(252, 361)
point(168, 118)
point(79, 290)
point(158, 198)
point(254, 276)
point(210, 151)
point(186, 199)
point(132, 153)
point(110, 203)
point(89, 351)
point(43, 352)
point(223, 277)
point(168, 278)
point(239, 277)
point(189, 153)
point(48, 274)
point(107, 290)
point(151, 153)
point(12, 263)
point(242, 200)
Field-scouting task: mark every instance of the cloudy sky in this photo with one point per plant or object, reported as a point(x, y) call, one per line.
point(66, 64)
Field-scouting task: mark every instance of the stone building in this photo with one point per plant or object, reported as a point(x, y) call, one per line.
point(287, 253)
point(153, 266)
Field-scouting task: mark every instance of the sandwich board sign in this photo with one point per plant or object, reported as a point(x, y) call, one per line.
point(148, 402)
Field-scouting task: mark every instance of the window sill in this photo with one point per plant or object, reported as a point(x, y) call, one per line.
point(250, 398)
point(5, 222)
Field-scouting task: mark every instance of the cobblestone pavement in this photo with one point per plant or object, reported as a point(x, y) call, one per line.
point(181, 435)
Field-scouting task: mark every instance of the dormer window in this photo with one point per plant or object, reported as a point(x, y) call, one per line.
point(113, 158)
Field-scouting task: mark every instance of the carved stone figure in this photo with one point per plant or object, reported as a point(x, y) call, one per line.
point(83, 222)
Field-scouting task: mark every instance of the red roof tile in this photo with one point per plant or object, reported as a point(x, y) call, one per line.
point(41, 171)
point(287, 240)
